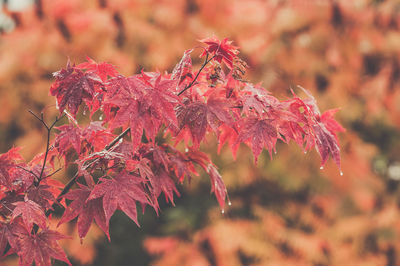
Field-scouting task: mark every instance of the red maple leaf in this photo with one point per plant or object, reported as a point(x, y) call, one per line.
point(330, 123)
point(69, 137)
point(45, 194)
point(217, 185)
point(146, 110)
point(40, 248)
point(72, 85)
point(260, 133)
point(10, 233)
point(31, 213)
point(162, 182)
point(184, 68)
point(223, 50)
point(122, 191)
point(103, 70)
point(95, 136)
point(8, 161)
point(86, 210)
point(326, 144)
point(197, 116)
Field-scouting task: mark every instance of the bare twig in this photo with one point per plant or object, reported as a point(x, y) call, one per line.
point(29, 171)
point(49, 128)
point(56, 171)
point(206, 61)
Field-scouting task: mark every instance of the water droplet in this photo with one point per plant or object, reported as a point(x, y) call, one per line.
point(341, 173)
point(305, 152)
point(321, 167)
point(101, 117)
point(120, 141)
point(275, 152)
point(229, 203)
point(84, 112)
point(223, 211)
point(57, 105)
point(186, 150)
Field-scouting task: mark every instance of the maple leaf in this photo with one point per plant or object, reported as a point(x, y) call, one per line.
point(86, 210)
point(199, 158)
point(217, 185)
point(122, 191)
point(9, 233)
point(96, 136)
point(40, 248)
point(8, 161)
point(326, 144)
point(72, 85)
point(194, 116)
point(184, 68)
point(330, 123)
point(162, 182)
point(148, 111)
point(181, 164)
point(30, 212)
point(8, 200)
point(260, 132)
point(228, 135)
point(21, 179)
point(223, 50)
point(69, 137)
point(45, 194)
point(197, 116)
point(103, 70)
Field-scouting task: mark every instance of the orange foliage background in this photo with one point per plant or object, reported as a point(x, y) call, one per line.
point(284, 212)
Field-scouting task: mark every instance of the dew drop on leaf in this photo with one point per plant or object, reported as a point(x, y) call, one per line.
point(229, 203)
point(223, 211)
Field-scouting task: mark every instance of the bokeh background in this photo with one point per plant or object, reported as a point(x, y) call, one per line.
point(285, 211)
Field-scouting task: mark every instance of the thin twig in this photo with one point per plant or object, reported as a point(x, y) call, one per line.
point(48, 144)
point(56, 171)
point(40, 119)
point(29, 171)
point(206, 61)
point(120, 136)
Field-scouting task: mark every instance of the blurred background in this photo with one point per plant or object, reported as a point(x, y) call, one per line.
point(285, 211)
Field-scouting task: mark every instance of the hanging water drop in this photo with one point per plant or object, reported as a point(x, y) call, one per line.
point(223, 211)
point(321, 167)
point(305, 152)
point(186, 150)
point(101, 117)
point(229, 203)
point(120, 140)
point(341, 173)
point(84, 112)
